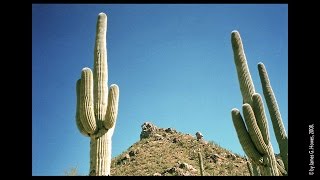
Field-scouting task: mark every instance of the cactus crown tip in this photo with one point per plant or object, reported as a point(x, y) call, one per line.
point(102, 14)
point(85, 68)
point(113, 85)
point(234, 110)
point(235, 36)
point(234, 31)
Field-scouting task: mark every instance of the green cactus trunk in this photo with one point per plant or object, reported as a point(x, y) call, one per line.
point(100, 153)
point(97, 109)
point(245, 80)
point(253, 131)
point(201, 164)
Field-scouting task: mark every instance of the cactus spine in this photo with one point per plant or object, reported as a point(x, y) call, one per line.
point(97, 110)
point(201, 164)
point(253, 133)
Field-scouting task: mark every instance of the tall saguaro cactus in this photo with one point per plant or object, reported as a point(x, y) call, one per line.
point(97, 110)
point(253, 131)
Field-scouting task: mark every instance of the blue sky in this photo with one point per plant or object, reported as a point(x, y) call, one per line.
point(173, 64)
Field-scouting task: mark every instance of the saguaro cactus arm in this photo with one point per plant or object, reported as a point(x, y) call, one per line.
point(261, 117)
point(78, 116)
point(86, 101)
point(112, 109)
point(244, 137)
point(253, 129)
point(275, 115)
point(240, 60)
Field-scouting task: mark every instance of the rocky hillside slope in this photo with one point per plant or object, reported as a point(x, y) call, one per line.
point(166, 152)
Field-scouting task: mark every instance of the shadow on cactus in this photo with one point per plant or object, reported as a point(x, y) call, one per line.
point(253, 131)
point(97, 109)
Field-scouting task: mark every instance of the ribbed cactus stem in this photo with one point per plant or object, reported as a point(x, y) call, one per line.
point(78, 118)
point(244, 137)
point(272, 161)
point(96, 115)
point(112, 109)
point(100, 149)
point(281, 167)
point(275, 115)
point(86, 95)
point(261, 117)
point(100, 72)
point(201, 164)
point(255, 168)
point(253, 129)
point(245, 80)
point(250, 168)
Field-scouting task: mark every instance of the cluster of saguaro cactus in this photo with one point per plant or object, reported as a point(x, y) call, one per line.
point(97, 111)
point(253, 131)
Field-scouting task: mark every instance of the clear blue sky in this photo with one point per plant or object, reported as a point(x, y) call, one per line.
point(173, 64)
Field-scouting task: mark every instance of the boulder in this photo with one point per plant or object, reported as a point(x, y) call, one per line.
point(148, 129)
point(199, 135)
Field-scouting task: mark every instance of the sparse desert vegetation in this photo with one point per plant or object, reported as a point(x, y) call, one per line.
point(167, 152)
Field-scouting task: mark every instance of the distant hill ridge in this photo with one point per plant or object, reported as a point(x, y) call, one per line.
point(166, 152)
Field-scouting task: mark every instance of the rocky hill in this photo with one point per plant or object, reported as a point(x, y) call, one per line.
point(166, 152)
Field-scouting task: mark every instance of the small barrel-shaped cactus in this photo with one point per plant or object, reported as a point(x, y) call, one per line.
point(97, 111)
